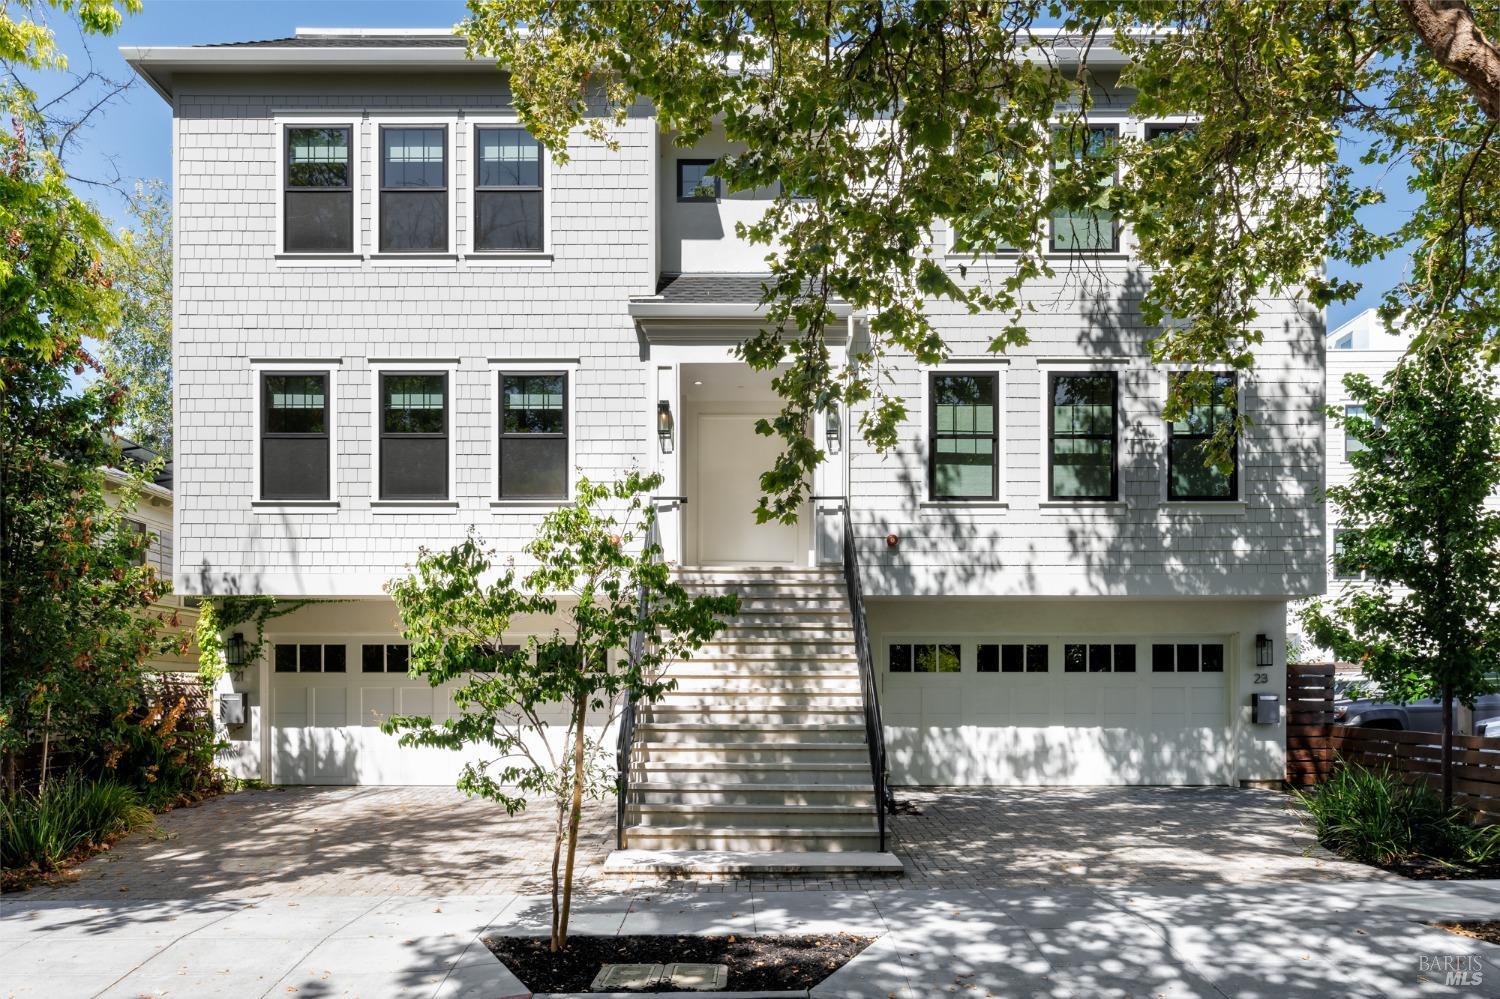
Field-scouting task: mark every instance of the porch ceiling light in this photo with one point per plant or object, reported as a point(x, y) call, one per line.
point(234, 650)
point(833, 428)
point(664, 425)
point(1263, 651)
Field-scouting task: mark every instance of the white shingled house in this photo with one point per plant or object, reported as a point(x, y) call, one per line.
point(396, 318)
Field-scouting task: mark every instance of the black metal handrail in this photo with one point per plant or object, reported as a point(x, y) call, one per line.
point(874, 728)
point(627, 711)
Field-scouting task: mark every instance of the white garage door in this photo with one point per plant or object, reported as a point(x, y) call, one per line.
point(1044, 712)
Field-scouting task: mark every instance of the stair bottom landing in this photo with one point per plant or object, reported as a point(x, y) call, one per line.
point(703, 862)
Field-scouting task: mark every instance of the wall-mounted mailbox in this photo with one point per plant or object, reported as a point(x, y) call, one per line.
point(232, 709)
point(1265, 708)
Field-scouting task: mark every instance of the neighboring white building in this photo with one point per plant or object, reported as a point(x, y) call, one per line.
point(152, 515)
point(396, 318)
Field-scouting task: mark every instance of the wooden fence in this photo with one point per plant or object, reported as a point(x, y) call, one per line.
point(1314, 745)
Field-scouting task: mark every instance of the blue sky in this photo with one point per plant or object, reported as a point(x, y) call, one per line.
point(134, 138)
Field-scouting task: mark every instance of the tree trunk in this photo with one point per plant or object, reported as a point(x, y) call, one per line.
point(10, 775)
point(1447, 747)
point(575, 811)
point(1447, 29)
point(557, 839)
point(41, 786)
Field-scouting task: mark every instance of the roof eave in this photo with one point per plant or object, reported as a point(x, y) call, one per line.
point(746, 311)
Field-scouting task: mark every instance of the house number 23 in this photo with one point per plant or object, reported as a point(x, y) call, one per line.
point(1262, 678)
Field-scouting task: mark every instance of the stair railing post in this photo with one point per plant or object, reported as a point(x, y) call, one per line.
point(628, 709)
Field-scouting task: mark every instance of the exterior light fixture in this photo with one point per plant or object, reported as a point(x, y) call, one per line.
point(1263, 651)
point(234, 650)
point(833, 428)
point(664, 425)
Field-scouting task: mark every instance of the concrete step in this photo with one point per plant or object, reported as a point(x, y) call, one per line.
point(799, 604)
point(785, 631)
point(752, 716)
point(678, 863)
point(803, 772)
point(770, 648)
point(752, 816)
point(720, 662)
point(753, 840)
point(795, 795)
point(700, 754)
point(752, 700)
point(728, 733)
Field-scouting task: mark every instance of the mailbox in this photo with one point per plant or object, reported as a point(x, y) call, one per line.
point(1266, 708)
point(232, 709)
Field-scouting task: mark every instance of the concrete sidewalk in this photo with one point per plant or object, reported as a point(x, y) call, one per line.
point(1254, 941)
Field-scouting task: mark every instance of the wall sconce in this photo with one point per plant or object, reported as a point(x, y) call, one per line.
point(234, 650)
point(1263, 650)
point(833, 429)
point(664, 425)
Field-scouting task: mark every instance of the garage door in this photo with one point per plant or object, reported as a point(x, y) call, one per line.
point(1048, 712)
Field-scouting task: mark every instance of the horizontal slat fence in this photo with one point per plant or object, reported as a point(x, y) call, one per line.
point(1309, 714)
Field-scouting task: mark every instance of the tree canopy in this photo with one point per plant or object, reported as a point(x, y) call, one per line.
point(879, 120)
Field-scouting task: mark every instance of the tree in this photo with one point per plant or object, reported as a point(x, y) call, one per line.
point(599, 568)
point(138, 351)
point(879, 119)
point(1419, 530)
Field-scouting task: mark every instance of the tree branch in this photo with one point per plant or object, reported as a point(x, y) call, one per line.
point(1448, 30)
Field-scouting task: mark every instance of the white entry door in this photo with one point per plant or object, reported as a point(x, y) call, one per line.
point(730, 457)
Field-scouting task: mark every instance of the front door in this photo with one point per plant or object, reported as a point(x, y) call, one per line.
point(730, 457)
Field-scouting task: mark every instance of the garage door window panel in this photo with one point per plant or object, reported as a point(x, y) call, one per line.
point(294, 446)
point(1083, 436)
point(924, 658)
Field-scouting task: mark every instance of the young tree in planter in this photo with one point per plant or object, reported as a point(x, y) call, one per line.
point(597, 567)
point(1419, 531)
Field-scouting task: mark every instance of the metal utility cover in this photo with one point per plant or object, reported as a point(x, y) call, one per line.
point(698, 977)
point(627, 976)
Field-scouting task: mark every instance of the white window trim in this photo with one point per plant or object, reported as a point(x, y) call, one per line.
point(997, 366)
point(1046, 367)
point(499, 366)
point(281, 121)
point(501, 258)
point(451, 122)
point(324, 366)
point(396, 366)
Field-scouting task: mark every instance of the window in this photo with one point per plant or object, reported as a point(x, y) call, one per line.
point(1098, 658)
point(140, 538)
point(384, 658)
point(534, 435)
point(696, 181)
point(1188, 477)
point(294, 445)
point(1166, 129)
point(1083, 436)
point(1012, 659)
point(934, 658)
point(318, 196)
point(413, 436)
point(507, 191)
point(1345, 342)
point(1187, 657)
point(1352, 443)
point(1087, 224)
point(962, 448)
point(414, 190)
point(309, 658)
point(1345, 566)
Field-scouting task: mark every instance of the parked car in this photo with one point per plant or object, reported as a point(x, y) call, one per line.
point(1425, 715)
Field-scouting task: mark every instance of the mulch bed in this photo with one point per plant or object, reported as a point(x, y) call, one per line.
point(1488, 930)
point(1427, 869)
point(772, 963)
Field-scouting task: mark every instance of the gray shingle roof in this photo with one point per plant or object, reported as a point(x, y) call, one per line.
point(712, 288)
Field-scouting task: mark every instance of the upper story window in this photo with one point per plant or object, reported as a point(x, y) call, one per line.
point(1083, 435)
point(696, 181)
point(1188, 477)
point(318, 195)
point(295, 436)
point(141, 539)
point(508, 203)
point(533, 435)
point(1351, 442)
point(413, 436)
point(1345, 565)
point(414, 189)
point(963, 429)
point(1088, 224)
point(1166, 129)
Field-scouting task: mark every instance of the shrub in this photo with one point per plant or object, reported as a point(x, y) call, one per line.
point(169, 748)
point(42, 831)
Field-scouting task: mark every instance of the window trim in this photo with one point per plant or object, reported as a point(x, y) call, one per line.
point(1048, 373)
point(258, 370)
point(450, 126)
point(569, 367)
point(991, 367)
point(682, 161)
point(1117, 242)
point(1234, 475)
point(470, 249)
point(379, 368)
point(317, 119)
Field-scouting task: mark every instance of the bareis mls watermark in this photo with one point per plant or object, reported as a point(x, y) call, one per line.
point(1462, 969)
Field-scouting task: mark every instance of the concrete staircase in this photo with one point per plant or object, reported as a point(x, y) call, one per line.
point(761, 748)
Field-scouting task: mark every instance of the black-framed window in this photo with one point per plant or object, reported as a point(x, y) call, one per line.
point(414, 189)
point(1164, 129)
point(534, 435)
point(310, 658)
point(1098, 657)
point(1344, 565)
point(1011, 658)
point(1188, 476)
point(1088, 226)
point(413, 436)
point(294, 444)
point(1083, 435)
point(508, 204)
point(318, 189)
point(139, 536)
point(927, 657)
point(963, 431)
point(380, 658)
point(696, 181)
point(1351, 442)
point(1187, 657)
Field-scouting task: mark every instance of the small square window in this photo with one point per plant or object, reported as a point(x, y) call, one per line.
point(1099, 659)
point(397, 658)
point(1012, 659)
point(1187, 658)
point(900, 656)
point(286, 658)
point(1124, 658)
point(334, 658)
point(1213, 658)
point(936, 659)
point(987, 658)
point(696, 181)
point(1075, 658)
point(1036, 658)
point(1163, 659)
point(310, 659)
point(372, 659)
